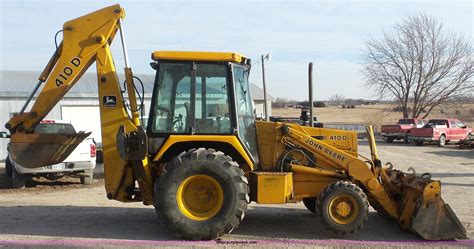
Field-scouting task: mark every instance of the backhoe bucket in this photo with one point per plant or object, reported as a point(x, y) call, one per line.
point(436, 221)
point(37, 150)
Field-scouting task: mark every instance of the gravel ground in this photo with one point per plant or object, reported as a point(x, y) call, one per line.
point(68, 214)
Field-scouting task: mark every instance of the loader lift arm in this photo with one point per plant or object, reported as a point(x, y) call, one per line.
point(414, 201)
point(353, 166)
point(86, 40)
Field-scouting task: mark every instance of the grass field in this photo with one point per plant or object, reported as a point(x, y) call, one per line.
point(378, 114)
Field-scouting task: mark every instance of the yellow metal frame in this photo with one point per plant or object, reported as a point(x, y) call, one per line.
point(271, 187)
point(198, 56)
point(87, 40)
point(83, 37)
point(353, 166)
point(230, 139)
point(271, 148)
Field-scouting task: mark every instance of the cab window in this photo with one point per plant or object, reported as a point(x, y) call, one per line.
point(212, 103)
point(173, 91)
point(187, 101)
point(244, 109)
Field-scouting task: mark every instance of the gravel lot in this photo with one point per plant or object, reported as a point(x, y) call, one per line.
point(70, 214)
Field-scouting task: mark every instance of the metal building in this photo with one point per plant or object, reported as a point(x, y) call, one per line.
point(258, 100)
point(80, 105)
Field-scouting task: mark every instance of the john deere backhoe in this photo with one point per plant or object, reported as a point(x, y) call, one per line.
point(204, 157)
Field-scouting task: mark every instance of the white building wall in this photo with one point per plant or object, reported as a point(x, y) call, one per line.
point(260, 108)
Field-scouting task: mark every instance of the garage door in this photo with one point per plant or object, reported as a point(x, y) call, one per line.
point(84, 118)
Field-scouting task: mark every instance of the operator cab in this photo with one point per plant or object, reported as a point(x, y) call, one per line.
point(202, 93)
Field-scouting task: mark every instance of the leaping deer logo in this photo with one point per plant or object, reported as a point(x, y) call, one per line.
point(110, 101)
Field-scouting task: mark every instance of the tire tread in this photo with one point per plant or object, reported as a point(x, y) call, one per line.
point(216, 226)
point(342, 186)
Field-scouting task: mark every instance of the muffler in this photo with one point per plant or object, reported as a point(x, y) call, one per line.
point(32, 150)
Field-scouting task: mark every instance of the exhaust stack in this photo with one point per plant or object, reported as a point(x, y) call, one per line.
point(310, 89)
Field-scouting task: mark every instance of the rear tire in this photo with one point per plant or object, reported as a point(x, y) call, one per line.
point(442, 141)
point(310, 204)
point(343, 207)
point(8, 167)
point(419, 143)
point(389, 140)
point(88, 177)
point(201, 195)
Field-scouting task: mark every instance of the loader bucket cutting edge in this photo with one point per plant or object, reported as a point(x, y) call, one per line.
point(435, 220)
point(37, 150)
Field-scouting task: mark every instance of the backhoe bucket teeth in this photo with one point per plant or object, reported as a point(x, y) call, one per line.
point(37, 150)
point(436, 221)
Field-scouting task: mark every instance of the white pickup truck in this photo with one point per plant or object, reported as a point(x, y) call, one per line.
point(81, 162)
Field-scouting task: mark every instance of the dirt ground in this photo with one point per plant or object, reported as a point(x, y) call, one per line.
point(67, 214)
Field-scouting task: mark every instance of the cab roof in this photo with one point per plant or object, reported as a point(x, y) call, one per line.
point(199, 56)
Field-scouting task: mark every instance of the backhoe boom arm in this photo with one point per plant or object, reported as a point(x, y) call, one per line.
point(86, 40)
point(83, 37)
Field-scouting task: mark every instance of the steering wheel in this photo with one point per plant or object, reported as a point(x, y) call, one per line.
point(178, 124)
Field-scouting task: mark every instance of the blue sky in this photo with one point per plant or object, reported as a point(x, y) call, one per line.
point(329, 33)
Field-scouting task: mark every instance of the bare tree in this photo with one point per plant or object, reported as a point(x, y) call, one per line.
point(280, 103)
point(337, 99)
point(419, 65)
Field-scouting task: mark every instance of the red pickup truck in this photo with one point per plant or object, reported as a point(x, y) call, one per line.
point(401, 129)
point(440, 131)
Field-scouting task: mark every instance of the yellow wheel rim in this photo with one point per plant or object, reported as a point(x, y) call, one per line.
point(343, 209)
point(200, 197)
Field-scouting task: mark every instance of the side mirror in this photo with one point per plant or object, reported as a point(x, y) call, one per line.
point(464, 126)
point(4, 134)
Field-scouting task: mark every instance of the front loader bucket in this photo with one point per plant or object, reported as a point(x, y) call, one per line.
point(421, 208)
point(36, 150)
point(435, 220)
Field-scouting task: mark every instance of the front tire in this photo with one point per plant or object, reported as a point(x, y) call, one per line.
point(343, 207)
point(201, 195)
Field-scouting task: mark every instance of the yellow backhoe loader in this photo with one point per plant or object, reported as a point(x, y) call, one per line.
point(203, 157)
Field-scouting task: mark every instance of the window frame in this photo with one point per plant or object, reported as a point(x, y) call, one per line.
point(230, 100)
point(192, 114)
point(154, 99)
point(255, 160)
point(458, 122)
